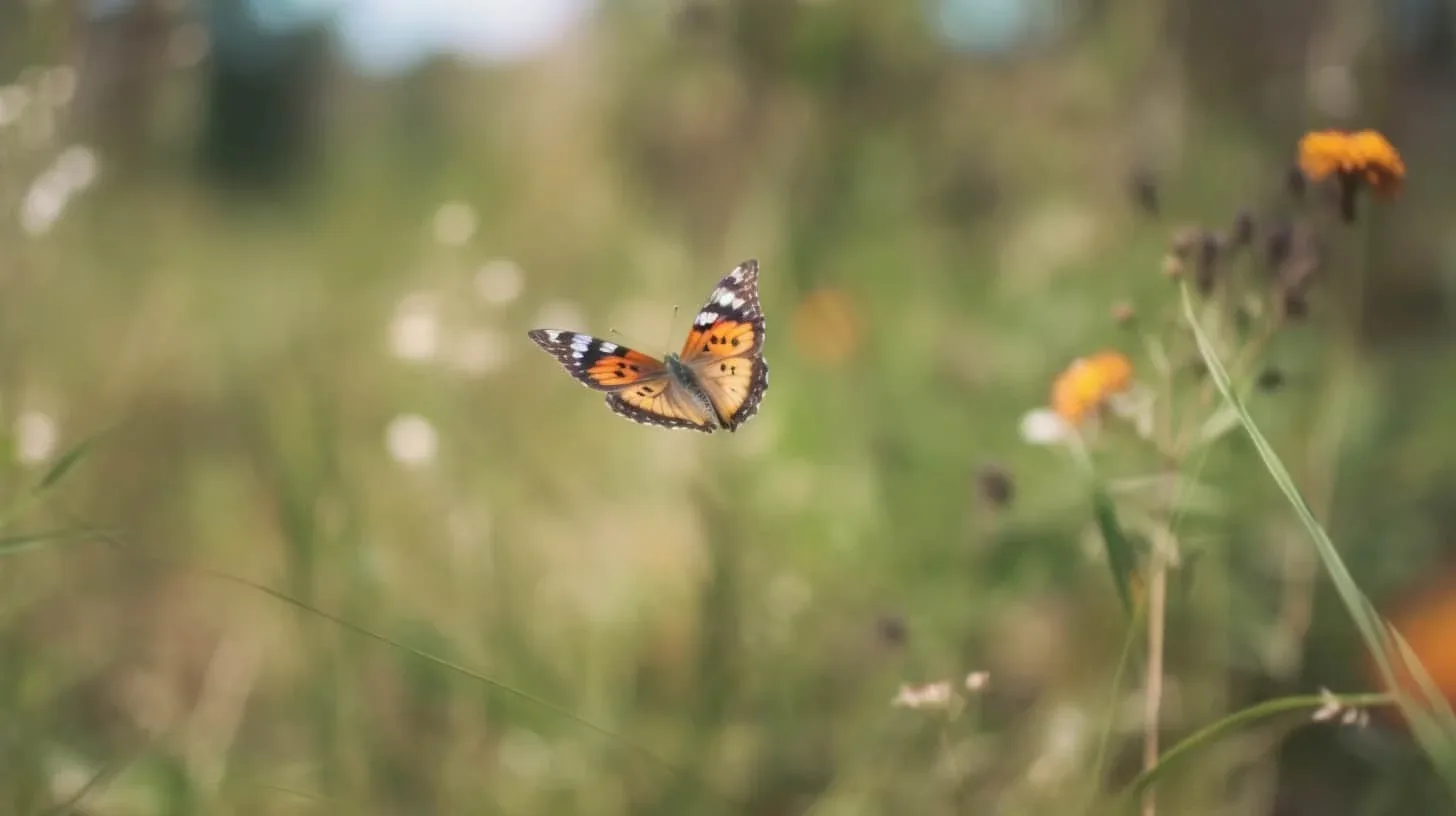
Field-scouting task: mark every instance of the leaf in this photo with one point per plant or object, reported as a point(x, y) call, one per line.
point(1221, 422)
point(1120, 557)
point(25, 542)
point(68, 460)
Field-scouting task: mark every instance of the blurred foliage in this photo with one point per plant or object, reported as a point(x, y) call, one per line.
point(296, 301)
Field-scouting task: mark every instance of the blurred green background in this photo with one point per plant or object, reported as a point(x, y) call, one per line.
point(283, 256)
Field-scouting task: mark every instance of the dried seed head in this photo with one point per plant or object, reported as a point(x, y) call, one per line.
point(1242, 231)
point(1144, 190)
point(1205, 270)
point(1123, 313)
point(1270, 379)
point(1186, 241)
point(1295, 182)
point(1278, 243)
point(891, 630)
point(1293, 303)
point(995, 485)
point(1172, 267)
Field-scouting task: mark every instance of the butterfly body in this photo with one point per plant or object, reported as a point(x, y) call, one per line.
point(715, 383)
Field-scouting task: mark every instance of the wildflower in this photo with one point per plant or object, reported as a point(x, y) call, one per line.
point(1088, 382)
point(929, 695)
point(1425, 616)
point(1332, 707)
point(1353, 158)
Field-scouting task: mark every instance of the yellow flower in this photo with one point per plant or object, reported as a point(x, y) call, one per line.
point(1088, 382)
point(1362, 156)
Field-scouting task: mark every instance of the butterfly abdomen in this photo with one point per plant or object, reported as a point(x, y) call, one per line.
point(683, 375)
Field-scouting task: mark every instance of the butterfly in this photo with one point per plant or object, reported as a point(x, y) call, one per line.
point(715, 382)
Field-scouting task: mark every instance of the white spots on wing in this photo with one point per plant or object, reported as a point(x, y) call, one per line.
point(454, 223)
point(553, 335)
point(577, 355)
point(724, 297)
point(738, 303)
point(608, 348)
point(579, 344)
point(500, 281)
point(414, 331)
point(411, 440)
point(705, 319)
point(736, 275)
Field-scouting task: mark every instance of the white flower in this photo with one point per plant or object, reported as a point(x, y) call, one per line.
point(1043, 426)
point(929, 695)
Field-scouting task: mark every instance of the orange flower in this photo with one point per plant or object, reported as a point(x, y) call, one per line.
point(826, 326)
point(1426, 617)
point(1088, 382)
point(1361, 157)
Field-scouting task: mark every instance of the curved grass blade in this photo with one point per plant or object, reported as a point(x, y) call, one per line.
point(26, 542)
point(1205, 736)
point(68, 460)
point(1431, 719)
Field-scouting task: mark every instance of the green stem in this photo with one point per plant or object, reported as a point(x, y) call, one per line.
point(1238, 719)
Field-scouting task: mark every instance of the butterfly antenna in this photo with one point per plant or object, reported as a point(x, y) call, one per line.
point(670, 325)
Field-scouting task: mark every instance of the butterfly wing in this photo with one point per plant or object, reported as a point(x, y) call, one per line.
point(638, 386)
point(725, 347)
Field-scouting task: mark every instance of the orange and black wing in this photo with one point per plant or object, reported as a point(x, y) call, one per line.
point(725, 347)
point(637, 385)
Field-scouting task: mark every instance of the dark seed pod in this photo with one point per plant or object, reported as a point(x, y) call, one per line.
point(1242, 231)
point(1143, 189)
point(1270, 379)
point(995, 485)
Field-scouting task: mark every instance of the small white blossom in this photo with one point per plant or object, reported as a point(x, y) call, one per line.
point(1043, 426)
point(929, 695)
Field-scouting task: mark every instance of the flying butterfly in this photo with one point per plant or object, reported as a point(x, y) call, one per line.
point(715, 382)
